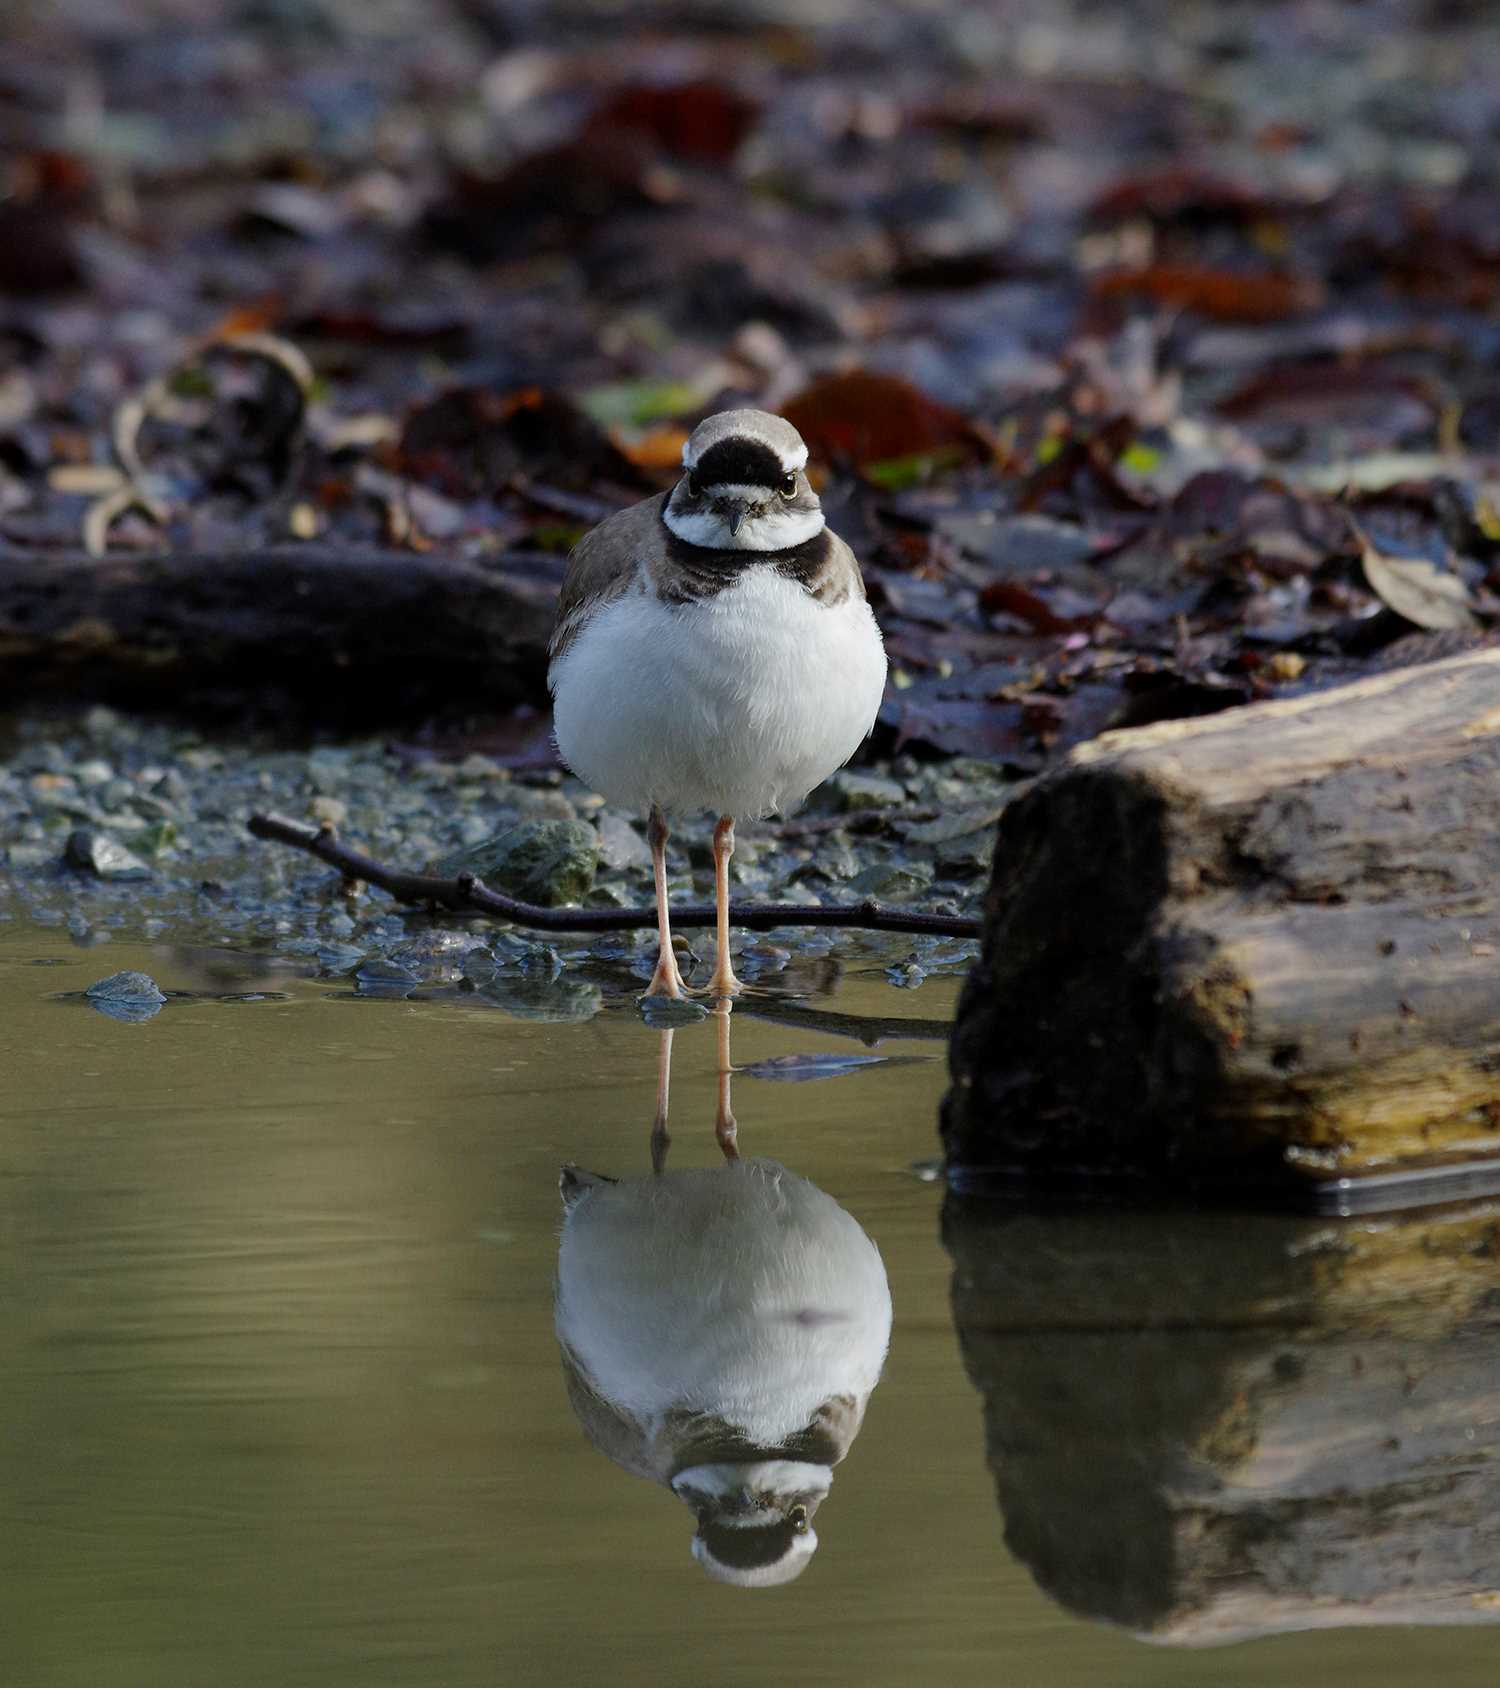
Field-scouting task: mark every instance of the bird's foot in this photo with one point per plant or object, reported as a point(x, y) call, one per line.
point(724, 983)
point(667, 979)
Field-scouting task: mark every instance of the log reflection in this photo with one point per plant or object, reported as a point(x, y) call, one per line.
point(1210, 1426)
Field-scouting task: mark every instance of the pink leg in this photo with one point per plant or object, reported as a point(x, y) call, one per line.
point(661, 1139)
point(667, 979)
point(726, 1128)
point(723, 982)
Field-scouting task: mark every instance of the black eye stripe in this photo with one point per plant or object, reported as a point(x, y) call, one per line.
point(740, 462)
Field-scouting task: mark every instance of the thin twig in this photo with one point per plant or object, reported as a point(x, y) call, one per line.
point(467, 892)
point(868, 1029)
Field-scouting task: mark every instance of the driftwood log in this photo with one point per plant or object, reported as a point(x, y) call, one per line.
point(364, 637)
point(1206, 1427)
point(1264, 944)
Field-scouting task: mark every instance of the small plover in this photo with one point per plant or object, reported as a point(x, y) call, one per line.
point(714, 650)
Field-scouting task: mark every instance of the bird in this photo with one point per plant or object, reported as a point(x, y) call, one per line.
point(714, 650)
point(721, 1330)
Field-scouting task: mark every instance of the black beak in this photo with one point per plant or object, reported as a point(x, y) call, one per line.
point(735, 519)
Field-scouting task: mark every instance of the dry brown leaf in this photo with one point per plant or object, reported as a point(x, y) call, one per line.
point(1225, 295)
point(1418, 590)
point(659, 450)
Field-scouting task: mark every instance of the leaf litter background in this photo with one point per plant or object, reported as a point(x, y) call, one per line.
point(1151, 353)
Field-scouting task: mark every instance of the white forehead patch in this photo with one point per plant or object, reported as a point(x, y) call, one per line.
point(761, 426)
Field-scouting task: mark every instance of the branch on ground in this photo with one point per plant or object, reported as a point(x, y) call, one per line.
point(468, 894)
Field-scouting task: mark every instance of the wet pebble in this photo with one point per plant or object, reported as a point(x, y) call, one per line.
point(163, 813)
point(381, 976)
point(562, 1000)
point(540, 861)
point(894, 881)
point(620, 845)
point(335, 960)
point(851, 792)
point(329, 811)
point(956, 823)
point(126, 996)
point(667, 1012)
point(103, 856)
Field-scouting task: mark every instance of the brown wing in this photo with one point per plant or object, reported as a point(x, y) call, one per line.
point(839, 577)
point(614, 1433)
point(602, 566)
point(696, 1438)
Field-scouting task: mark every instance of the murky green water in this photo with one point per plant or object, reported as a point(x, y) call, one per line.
point(281, 1401)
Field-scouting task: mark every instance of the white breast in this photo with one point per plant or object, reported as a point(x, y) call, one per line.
point(742, 1291)
point(740, 703)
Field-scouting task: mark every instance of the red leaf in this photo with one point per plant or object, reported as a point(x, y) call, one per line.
point(1366, 394)
point(1008, 597)
point(1225, 295)
point(863, 417)
point(703, 121)
point(470, 441)
point(1179, 192)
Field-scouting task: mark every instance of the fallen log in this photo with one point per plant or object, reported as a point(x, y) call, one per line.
point(357, 638)
point(1263, 944)
point(1206, 1427)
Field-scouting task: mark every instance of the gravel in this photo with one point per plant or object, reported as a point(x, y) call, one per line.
point(116, 827)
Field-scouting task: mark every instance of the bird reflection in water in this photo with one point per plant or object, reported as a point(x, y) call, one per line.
point(721, 1331)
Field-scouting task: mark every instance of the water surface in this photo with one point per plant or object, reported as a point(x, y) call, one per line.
point(281, 1402)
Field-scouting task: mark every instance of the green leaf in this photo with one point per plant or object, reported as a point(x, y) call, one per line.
point(1142, 459)
point(897, 473)
point(636, 404)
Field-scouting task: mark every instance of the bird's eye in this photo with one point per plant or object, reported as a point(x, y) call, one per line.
point(695, 487)
point(797, 1518)
point(789, 486)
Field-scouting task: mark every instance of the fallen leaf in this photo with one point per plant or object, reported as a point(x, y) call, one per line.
point(636, 404)
point(1178, 193)
point(545, 201)
point(864, 417)
point(1418, 590)
point(895, 474)
point(985, 110)
point(1370, 396)
point(1009, 597)
point(473, 440)
point(1225, 295)
point(701, 120)
point(658, 451)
